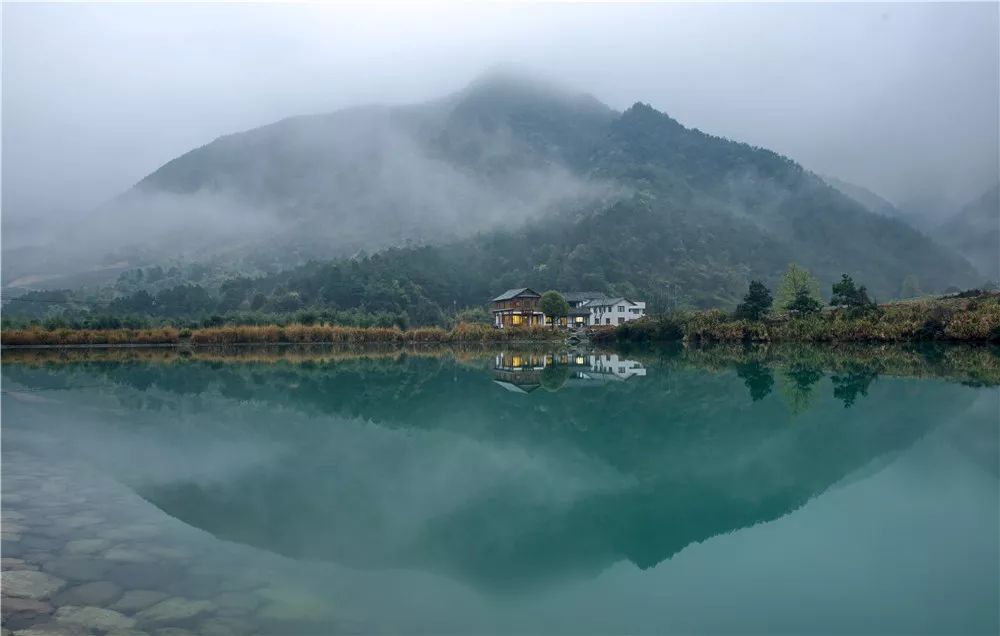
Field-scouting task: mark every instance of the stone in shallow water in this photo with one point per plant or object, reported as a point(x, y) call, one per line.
point(78, 569)
point(30, 584)
point(12, 604)
point(293, 604)
point(225, 627)
point(93, 618)
point(235, 603)
point(10, 563)
point(50, 629)
point(174, 610)
point(86, 546)
point(143, 575)
point(135, 600)
point(169, 552)
point(94, 593)
point(174, 631)
point(132, 531)
point(124, 553)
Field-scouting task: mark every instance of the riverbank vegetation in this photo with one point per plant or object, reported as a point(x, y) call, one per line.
point(967, 317)
point(272, 334)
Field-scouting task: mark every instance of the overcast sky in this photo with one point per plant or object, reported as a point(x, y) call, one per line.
point(901, 98)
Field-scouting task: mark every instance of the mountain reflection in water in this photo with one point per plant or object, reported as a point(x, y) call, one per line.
point(485, 466)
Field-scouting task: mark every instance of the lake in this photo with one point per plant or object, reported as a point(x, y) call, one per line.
point(648, 490)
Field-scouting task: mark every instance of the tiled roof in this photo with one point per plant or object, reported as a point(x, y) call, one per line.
point(584, 295)
point(514, 293)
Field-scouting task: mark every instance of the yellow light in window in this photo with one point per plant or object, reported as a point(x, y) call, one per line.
point(515, 361)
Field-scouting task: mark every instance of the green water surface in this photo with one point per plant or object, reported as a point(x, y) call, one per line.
point(514, 491)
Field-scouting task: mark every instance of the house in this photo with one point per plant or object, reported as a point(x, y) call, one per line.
point(520, 307)
point(517, 308)
point(614, 311)
point(579, 315)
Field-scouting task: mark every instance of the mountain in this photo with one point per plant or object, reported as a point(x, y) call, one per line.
point(873, 202)
point(508, 182)
point(975, 232)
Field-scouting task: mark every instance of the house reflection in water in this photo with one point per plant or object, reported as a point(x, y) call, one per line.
point(525, 372)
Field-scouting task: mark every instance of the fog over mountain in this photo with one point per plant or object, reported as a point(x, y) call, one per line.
point(191, 148)
point(899, 98)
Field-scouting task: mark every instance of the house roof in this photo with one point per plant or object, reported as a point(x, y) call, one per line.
point(608, 302)
point(578, 296)
point(514, 293)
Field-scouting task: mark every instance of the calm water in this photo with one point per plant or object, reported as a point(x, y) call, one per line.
point(319, 491)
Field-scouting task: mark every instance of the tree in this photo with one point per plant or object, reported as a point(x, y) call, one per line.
point(795, 281)
point(804, 303)
point(553, 305)
point(756, 303)
point(847, 293)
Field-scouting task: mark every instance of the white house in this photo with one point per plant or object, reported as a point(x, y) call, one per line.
point(614, 311)
point(520, 307)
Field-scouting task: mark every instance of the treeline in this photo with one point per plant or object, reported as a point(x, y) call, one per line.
point(798, 315)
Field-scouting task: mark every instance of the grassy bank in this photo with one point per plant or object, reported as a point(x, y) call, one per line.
point(975, 319)
point(272, 334)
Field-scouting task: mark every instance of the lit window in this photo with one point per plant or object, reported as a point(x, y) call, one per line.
point(516, 319)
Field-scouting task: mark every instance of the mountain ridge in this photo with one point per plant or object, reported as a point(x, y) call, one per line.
point(506, 158)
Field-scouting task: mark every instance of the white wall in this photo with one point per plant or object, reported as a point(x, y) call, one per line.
point(601, 315)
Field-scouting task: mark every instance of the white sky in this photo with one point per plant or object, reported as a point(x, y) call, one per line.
point(902, 98)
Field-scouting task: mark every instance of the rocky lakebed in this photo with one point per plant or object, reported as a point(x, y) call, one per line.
point(84, 555)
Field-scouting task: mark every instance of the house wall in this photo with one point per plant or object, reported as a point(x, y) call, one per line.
point(617, 314)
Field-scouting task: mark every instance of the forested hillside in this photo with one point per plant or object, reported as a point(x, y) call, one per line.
point(975, 232)
point(513, 183)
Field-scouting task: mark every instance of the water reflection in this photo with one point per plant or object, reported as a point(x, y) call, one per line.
point(523, 372)
point(416, 460)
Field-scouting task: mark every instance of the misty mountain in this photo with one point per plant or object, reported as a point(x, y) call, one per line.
point(510, 182)
point(872, 201)
point(974, 231)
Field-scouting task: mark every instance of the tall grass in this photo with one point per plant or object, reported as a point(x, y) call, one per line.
point(274, 334)
point(68, 337)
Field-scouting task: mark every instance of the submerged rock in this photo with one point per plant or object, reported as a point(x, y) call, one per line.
point(78, 569)
point(95, 593)
point(11, 563)
point(174, 610)
point(87, 546)
point(49, 629)
point(31, 584)
point(93, 618)
point(135, 600)
point(13, 604)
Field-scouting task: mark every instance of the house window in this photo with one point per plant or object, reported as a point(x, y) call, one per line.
point(548, 320)
point(621, 309)
point(607, 321)
point(621, 321)
point(516, 319)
